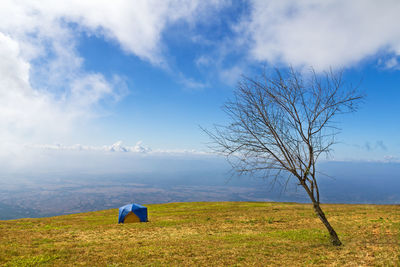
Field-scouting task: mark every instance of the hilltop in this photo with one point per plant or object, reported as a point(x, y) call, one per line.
point(215, 233)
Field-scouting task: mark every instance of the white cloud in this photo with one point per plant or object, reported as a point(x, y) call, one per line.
point(136, 25)
point(391, 158)
point(22, 109)
point(190, 83)
point(66, 159)
point(118, 147)
point(44, 88)
point(231, 75)
point(321, 34)
point(203, 61)
point(391, 63)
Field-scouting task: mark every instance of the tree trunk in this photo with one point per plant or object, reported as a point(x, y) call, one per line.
point(334, 237)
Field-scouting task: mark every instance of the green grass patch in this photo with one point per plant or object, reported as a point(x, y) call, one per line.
point(32, 261)
point(208, 234)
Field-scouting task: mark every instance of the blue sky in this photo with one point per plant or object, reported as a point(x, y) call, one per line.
point(141, 76)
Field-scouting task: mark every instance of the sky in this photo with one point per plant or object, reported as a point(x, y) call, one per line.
point(95, 81)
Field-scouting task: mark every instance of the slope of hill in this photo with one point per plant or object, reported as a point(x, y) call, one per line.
point(208, 234)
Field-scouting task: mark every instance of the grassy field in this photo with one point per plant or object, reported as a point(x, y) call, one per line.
point(208, 234)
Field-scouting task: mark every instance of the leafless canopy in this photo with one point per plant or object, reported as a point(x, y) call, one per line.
point(284, 123)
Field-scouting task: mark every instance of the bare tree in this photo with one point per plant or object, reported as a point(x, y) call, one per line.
point(283, 123)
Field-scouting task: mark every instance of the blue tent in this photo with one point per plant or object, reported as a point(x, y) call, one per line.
point(132, 213)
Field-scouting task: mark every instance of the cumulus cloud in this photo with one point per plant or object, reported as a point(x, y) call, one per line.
point(392, 159)
point(117, 147)
point(139, 147)
point(79, 161)
point(136, 25)
point(390, 63)
point(44, 87)
point(321, 34)
point(38, 159)
point(22, 109)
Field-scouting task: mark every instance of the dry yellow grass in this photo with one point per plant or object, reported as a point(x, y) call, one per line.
point(208, 234)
